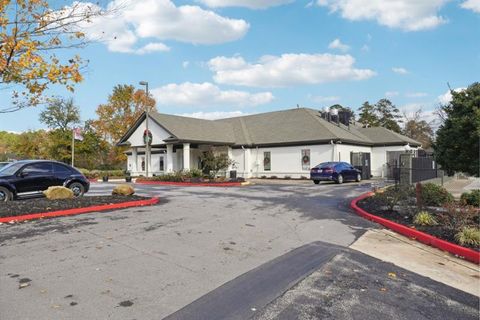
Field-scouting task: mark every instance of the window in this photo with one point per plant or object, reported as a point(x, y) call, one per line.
point(306, 159)
point(267, 161)
point(58, 168)
point(37, 169)
point(161, 164)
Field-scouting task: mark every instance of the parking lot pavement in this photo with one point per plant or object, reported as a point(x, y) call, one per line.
point(149, 262)
point(355, 286)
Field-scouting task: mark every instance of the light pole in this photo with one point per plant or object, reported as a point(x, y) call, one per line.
point(147, 138)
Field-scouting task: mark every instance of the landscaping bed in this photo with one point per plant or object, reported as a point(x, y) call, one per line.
point(43, 205)
point(429, 209)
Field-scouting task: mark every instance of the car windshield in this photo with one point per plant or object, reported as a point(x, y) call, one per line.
point(10, 169)
point(325, 165)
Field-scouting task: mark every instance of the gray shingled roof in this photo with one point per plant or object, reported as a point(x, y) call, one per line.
point(293, 126)
point(380, 135)
point(192, 129)
point(289, 126)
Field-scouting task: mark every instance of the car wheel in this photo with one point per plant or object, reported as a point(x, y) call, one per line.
point(77, 188)
point(5, 195)
point(359, 177)
point(340, 179)
point(316, 181)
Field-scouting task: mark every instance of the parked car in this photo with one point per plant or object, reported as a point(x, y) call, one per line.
point(33, 176)
point(335, 171)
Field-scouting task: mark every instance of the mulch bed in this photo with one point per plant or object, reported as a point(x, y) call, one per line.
point(438, 231)
point(42, 205)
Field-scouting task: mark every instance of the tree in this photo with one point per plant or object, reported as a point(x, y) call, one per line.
point(388, 115)
point(124, 106)
point(31, 145)
point(382, 114)
point(60, 114)
point(339, 107)
point(419, 130)
point(30, 33)
point(213, 162)
point(457, 146)
point(367, 116)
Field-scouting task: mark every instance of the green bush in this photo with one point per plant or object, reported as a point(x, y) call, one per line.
point(468, 236)
point(435, 195)
point(193, 173)
point(424, 218)
point(471, 198)
point(392, 196)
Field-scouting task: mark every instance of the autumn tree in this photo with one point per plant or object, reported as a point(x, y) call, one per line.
point(457, 145)
point(124, 106)
point(418, 129)
point(60, 114)
point(31, 33)
point(7, 143)
point(31, 145)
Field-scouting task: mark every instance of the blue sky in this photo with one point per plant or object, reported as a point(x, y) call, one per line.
point(214, 58)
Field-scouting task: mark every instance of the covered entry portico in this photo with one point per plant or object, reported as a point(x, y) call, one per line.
point(177, 144)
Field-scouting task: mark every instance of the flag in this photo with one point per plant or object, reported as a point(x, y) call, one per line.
point(77, 134)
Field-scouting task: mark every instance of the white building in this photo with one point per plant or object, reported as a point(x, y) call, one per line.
point(281, 143)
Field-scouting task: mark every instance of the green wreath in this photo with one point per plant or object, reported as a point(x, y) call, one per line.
point(305, 159)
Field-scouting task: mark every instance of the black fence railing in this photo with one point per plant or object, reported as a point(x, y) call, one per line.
point(414, 175)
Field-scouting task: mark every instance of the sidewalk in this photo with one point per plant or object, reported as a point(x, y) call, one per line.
point(440, 266)
point(458, 186)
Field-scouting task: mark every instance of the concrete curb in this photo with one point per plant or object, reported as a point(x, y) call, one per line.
point(466, 253)
point(192, 184)
point(69, 212)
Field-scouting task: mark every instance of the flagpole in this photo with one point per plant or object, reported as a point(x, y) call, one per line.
point(73, 146)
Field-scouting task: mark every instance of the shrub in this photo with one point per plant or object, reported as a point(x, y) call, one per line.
point(435, 195)
point(287, 177)
point(468, 236)
point(263, 177)
point(392, 196)
point(424, 218)
point(273, 177)
point(456, 217)
point(303, 178)
point(471, 198)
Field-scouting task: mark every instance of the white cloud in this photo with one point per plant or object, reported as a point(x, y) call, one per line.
point(408, 15)
point(416, 94)
point(132, 21)
point(400, 70)
point(447, 96)
point(152, 47)
point(473, 5)
point(287, 70)
point(185, 64)
point(390, 94)
point(337, 44)
point(251, 4)
point(365, 48)
point(213, 115)
point(207, 95)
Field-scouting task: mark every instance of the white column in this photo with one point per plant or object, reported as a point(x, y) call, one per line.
point(186, 156)
point(169, 157)
point(230, 156)
point(134, 161)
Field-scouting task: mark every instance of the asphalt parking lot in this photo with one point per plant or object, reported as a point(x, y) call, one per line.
point(150, 262)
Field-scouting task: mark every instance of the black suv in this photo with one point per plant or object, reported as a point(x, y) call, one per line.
point(33, 176)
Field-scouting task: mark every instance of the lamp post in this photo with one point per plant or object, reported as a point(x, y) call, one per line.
point(147, 139)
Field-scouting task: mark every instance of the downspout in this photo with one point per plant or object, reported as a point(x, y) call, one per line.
point(333, 150)
point(244, 161)
point(256, 162)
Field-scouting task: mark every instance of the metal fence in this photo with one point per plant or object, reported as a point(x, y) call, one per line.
point(415, 169)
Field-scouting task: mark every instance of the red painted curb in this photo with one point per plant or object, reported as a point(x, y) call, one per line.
point(192, 184)
point(69, 212)
point(467, 253)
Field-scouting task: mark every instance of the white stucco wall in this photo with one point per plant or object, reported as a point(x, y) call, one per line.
point(379, 158)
